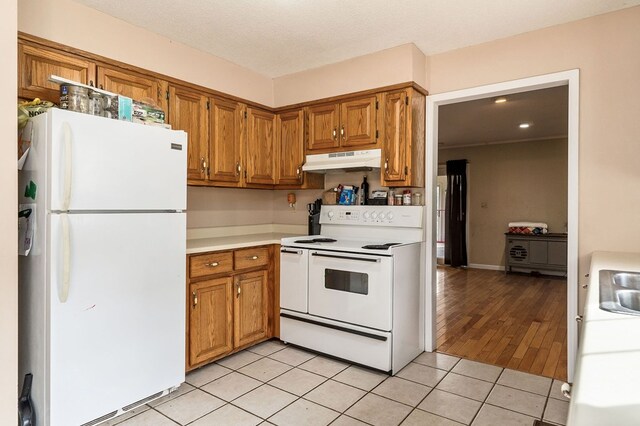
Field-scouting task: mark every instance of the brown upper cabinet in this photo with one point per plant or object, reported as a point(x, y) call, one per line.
point(343, 126)
point(261, 147)
point(188, 112)
point(131, 84)
point(36, 64)
point(403, 138)
point(291, 147)
point(236, 143)
point(225, 142)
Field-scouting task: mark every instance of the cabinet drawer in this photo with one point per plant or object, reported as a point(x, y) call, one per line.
point(250, 258)
point(210, 263)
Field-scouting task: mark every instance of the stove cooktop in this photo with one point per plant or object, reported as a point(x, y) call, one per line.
point(316, 240)
point(384, 246)
point(346, 244)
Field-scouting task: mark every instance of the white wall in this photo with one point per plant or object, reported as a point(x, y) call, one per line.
point(384, 68)
point(8, 216)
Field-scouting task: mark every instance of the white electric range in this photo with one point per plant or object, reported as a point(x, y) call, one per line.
point(354, 292)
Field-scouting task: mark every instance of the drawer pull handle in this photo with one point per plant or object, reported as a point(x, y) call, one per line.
point(212, 264)
point(194, 295)
point(252, 257)
point(291, 251)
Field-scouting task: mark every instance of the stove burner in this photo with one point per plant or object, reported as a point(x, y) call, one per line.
point(379, 246)
point(316, 240)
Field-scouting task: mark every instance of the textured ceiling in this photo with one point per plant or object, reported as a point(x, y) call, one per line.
point(278, 37)
point(484, 122)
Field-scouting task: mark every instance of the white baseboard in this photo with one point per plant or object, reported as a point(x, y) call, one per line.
point(489, 267)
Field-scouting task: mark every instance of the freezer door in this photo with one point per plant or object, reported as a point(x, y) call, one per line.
point(119, 334)
point(102, 164)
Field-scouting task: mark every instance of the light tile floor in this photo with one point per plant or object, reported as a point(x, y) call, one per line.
point(276, 384)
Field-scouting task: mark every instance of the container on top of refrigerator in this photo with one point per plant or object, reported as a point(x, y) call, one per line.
point(115, 106)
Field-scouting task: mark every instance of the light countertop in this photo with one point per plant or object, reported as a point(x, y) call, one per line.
point(201, 245)
point(200, 240)
point(607, 384)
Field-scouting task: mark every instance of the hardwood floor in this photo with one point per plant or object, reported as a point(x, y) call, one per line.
point(514, 321)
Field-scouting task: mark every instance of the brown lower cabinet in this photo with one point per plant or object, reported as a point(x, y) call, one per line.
point(231, 302)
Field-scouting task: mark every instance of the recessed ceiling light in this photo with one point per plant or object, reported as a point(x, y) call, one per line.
point(524, 125)
point(500, 100)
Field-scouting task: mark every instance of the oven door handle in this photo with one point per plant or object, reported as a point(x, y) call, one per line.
point(291, 251)
point(364, 259)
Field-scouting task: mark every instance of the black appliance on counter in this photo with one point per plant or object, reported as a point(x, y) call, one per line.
point(314, 217)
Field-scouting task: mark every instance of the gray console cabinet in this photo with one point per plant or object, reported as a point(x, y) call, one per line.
point(536, 253)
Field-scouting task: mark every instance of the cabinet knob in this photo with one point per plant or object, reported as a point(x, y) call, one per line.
point(238, 168)
point(238, 289)
point(386, 166)
point(194, 297)
point(203, 165)
point(579, 318)
point(212, 264)
point(252, 257)
point(334, 133)
point(342, 132)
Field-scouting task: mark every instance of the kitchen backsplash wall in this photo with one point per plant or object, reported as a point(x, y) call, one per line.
point(213, 207)
point(283, 214)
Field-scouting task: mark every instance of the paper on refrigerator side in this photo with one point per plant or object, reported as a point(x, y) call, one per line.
point(26, 227)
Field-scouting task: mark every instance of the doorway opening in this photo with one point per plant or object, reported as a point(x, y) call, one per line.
point(517, 291)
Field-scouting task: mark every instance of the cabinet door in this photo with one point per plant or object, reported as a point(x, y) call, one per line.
point(290, 148)
point(210, 319)
point(323, 127)
point(558, 253)
point(538, 252)
point(225, 146)
point(188, 112)
point(131, 84)
point(250, 307)
point(358, 122)
point(394, 152)
point(37, 64)
point(261, 147)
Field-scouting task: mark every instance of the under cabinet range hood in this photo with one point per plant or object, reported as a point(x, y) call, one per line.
point(339, 161)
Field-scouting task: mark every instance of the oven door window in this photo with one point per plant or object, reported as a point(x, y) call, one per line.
point(349, 281)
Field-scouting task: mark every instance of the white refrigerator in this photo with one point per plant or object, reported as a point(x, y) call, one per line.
point(102, 289)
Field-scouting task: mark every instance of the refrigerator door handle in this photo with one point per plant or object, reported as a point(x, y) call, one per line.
point(63, 291)
point(66, 200)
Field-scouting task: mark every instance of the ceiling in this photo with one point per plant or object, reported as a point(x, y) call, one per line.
point(278, 37)
point(483, 121)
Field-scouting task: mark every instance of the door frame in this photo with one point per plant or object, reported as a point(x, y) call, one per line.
point(570, 78)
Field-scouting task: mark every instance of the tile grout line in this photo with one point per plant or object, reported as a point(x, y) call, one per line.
point(432, 389)
point(484, 402)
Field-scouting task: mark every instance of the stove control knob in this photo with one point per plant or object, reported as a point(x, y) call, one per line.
point(330, 214)
point(390, 216)
point(366, 215)
point(382, 216)
point(374, 215)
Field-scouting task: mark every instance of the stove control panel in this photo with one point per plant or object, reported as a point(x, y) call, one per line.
point(391, 216)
